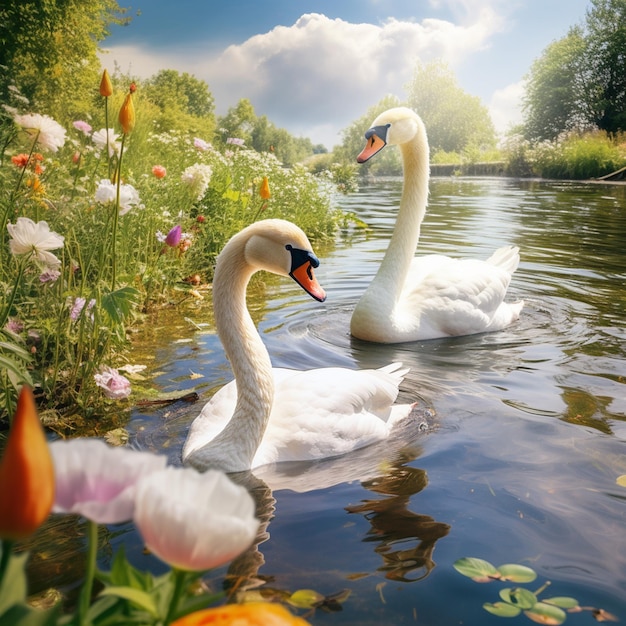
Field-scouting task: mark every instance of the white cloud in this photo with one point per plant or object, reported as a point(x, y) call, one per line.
point(505, 106)
point(320, 73)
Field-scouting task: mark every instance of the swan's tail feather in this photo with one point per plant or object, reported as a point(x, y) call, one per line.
point(506, 258)
point(396, 369)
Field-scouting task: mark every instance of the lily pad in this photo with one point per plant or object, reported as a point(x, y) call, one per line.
point(562, 601)
point(305, 598)
point(517, 573)
point(543, 613)
point(521, 598)
point(501, 609)
point(478, 570)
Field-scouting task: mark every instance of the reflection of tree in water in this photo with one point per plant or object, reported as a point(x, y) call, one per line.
point(393, 525)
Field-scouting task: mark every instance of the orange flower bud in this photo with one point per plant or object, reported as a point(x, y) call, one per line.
point(127, 114)
point(264, 190)
point(26, 473)
point(247, 614)
point(106, 88)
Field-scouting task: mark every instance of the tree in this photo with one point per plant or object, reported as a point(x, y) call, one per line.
point(551, 102)
point(454, 119)
point(48, 50)
point(237, 123)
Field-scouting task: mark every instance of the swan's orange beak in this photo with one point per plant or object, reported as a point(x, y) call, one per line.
point(302, 264)
point(376, 141)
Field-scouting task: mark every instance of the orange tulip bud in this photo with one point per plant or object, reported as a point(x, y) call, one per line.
point(247, 614)
point(127, 114)
point(106, 88)
point(26, 473)
point(264, 190)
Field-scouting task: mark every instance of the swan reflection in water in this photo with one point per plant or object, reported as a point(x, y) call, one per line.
point(393, 528)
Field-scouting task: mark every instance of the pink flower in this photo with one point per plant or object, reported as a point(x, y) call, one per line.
point(115, 385)
point(159, 171)
point(98, 481)
point(78, 306)
point(173, 237)
point(83, 127)
point(200, 144)
point(194, 521)
point(49, 275)
point(14, 326)
point(235, 141)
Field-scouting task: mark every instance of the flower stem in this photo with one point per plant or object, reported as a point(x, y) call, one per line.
point(4, 315)
point(7, 548)
point(179, 584)
point(116, 215)
point(90, 571)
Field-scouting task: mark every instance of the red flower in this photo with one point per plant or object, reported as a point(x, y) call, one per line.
point(159, 171)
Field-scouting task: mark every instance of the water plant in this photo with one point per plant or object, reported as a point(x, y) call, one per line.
point(517, 600)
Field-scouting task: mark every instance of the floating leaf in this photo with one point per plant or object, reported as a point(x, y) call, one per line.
point(621, 480)
point(502, 609)
point(478, 570)
point(305, 598)
point(549, 614)
point(517, 573)
point(604, 616)
point(563, 601)
point(521, 598)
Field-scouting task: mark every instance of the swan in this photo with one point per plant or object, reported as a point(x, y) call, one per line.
point(272, 415)
point(431, 296)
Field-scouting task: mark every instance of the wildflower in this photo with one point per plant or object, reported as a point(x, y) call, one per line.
point(173, 237)
point(35, 239)
point(201, 219)
point(82, 126)
point(79, 305)
point(26, 473)
point(185, 242)
point(106, 88)
point(127, 112)
point(194, 521)
point(246, 614)
point(14, 326)
point(99, 481)
point(198, 177)
point(132, 369)
point(201, 145)
point(48, 133)
point(20, 160)
point(49, 275)
point(106, 192)
point(264, 190)
point(115, 386)
point(103, 140)
point(235, 141)
point(159, 171)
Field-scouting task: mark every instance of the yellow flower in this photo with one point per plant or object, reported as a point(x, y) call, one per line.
point(26, 473)
point(248, 614)
point(106, 88)
point(127, 112)
point(264, 190)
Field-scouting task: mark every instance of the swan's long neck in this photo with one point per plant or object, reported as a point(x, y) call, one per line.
point(395, 266)
point(236, 445)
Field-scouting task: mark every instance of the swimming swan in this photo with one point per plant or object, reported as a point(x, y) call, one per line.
point(430, 296)
point(270, 415)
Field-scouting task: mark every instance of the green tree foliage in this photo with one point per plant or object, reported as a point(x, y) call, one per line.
point(48, 50)
point(551, 101)
point(454, 119)
point(185, 102)
point(579, 82)
point(353, 141)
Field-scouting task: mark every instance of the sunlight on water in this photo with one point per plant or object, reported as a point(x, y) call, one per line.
point(530, 432)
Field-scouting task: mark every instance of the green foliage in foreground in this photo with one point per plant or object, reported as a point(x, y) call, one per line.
point(114, 263)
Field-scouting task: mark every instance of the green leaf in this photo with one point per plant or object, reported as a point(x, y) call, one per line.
point(501, 609)
point(549, 614)
point(13, 589)
point(478, 570)
point(305, 598)
point(23, 615)
point(521, 598)
point(119, 303)
point(517, 573)
point(137, 597)
point(562, 601)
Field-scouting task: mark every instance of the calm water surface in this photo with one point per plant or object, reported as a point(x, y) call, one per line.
point(529, 423)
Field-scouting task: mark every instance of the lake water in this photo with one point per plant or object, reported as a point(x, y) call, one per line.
point(528, 424)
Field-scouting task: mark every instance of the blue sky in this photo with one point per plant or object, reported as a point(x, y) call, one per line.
point(313, 67)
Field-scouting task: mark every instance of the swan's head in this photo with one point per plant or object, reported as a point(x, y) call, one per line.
point(280, 247)
point(393, 127)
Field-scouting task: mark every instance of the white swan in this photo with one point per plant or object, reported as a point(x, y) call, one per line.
point(270, 415)
point(431, 296)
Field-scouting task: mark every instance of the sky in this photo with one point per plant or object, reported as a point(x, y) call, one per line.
point(315, 66)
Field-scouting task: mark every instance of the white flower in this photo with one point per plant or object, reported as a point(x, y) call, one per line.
point(194, 521)
point(100, 139)
point(107, 192)
point(49, 134)
point(98, 481)
point(33, 238)
point(114, 384)
point(198, 177)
